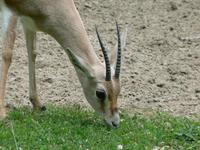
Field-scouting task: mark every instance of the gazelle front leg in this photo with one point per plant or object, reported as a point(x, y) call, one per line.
point(31, 47)
point(8, 27)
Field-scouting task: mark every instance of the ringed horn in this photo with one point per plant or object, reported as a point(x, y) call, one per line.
point(106, 58)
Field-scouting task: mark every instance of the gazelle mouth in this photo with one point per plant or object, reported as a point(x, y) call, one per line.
point(111, 124)
point(113, 121)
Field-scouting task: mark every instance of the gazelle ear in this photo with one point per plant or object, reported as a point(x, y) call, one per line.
point(113, 54)
point(79, 64)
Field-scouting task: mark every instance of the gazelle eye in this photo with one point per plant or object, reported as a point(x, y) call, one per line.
point(101, 94)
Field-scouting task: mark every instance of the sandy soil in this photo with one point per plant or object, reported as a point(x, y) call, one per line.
point(161, 62)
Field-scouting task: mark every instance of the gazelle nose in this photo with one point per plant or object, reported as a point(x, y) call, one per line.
point(113, 121)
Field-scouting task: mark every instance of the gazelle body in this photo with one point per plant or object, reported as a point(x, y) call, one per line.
point(61, 20)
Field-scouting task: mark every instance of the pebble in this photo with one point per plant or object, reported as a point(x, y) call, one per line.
point(119, 147)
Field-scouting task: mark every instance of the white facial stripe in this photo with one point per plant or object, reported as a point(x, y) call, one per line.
point(28, 23)
point(113, 69)
point(6, 14)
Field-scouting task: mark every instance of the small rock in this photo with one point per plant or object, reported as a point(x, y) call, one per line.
point(151, 81)
point(156, 100)
point(143, 27)
point(173, 6)
point(160, 85)
point(156, 148)
point(185, 16)
point(196, 57)
point(137, 99)
point(172, 78)
point(161, 148)
point(197, 90)
point(88, 5)
point(183, 72)
point(165, 148)
point(171, 29)
point(48, 80)
point(119, 147)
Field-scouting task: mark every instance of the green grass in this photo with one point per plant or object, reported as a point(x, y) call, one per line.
point(73, 128)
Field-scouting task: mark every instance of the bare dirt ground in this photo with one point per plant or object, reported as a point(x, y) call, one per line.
point(161, 62)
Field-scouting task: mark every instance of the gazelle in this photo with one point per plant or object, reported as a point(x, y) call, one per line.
point(61, 20)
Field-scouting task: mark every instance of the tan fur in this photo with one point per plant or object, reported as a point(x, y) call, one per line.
point(8, 43)
point(61, 20)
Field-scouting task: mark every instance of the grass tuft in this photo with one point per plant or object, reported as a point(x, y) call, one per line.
point(74, 128)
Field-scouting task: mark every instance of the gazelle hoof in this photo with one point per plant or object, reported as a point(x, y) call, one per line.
point(39, 108)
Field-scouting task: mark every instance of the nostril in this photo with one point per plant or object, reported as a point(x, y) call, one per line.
point(114, 124)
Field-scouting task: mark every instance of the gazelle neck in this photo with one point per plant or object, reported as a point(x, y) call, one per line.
point(71, 35)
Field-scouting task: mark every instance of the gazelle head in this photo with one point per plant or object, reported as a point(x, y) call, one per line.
point(101, 82)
